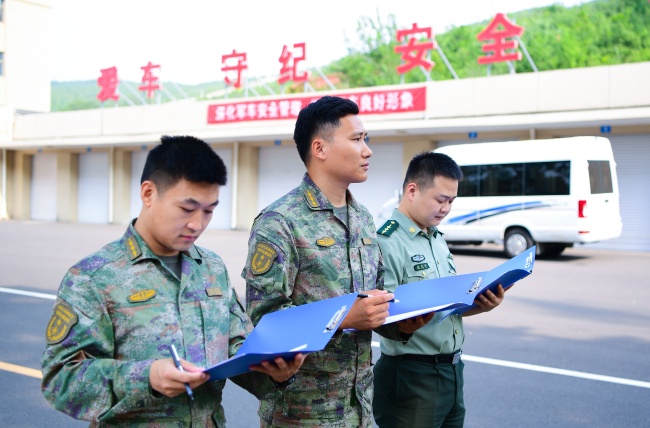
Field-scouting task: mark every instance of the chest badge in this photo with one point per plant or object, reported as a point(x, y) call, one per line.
point(326, 242)
point(417, 258)
point(142, 296)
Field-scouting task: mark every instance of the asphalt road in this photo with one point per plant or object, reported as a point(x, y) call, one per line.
point(568, 347)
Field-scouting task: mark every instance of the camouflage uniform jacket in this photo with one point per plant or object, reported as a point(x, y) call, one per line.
point(117, 311)
point(301, 252)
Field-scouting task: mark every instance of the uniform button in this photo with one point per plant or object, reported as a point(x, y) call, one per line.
point(456, 331)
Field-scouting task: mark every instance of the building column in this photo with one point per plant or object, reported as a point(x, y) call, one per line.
point(247, 175)
point(19, 167)
point(121, 164)
point(67, 186)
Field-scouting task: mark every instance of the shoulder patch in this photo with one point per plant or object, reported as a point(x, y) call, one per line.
point(262, 258)
point(133, 248)
point(388, 228)
point(63, 318)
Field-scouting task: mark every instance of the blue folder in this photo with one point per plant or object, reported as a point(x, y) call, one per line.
point(285, 333)
point(456, 294)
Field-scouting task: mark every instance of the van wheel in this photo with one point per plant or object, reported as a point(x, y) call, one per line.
point(517, 241)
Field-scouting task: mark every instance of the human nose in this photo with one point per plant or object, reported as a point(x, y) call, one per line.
point(196, 221)
point(366, 152)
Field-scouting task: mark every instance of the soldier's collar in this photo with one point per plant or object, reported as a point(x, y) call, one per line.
point(316, 200)
point(137, 249)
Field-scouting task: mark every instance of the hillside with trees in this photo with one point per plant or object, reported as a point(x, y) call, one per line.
point(600, 32)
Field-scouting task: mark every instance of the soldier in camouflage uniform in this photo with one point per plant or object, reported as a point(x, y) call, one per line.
point(419, 379)
point(119, 309)
point(314, 243)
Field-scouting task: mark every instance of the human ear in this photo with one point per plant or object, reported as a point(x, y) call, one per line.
point(147, 192)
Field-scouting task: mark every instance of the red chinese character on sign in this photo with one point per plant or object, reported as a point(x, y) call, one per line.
point(289, 71)
point(150, 82)
point(414, 52)
point(499, 30)
point(238, 67)
point(108, 82)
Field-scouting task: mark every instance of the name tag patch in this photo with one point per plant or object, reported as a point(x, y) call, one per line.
point(421, 266)
point(213, 291)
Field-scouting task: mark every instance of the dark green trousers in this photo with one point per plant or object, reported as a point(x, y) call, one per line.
point(412, 394)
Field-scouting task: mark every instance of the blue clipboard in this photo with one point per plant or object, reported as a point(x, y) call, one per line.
point(456, 294)
point(285, 333)
point(506, 274)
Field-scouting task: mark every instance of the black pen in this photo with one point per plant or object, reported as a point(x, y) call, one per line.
point(363, 296)
point(177, 362)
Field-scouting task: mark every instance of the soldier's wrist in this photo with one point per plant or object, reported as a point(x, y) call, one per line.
point(283, 385)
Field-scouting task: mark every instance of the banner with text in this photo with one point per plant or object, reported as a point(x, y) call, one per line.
point(370, 102)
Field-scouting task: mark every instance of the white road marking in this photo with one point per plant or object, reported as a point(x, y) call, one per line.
point(551, 370)
point(28, 293)
point(492, 361)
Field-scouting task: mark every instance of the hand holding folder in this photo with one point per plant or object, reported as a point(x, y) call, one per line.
point(456, 294)
point(285, 333)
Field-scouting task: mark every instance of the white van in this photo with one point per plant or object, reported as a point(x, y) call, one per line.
point(550, 193)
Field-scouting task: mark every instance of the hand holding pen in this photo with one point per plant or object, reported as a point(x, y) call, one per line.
point(368, 313)
point(168, 379)
point(179, 366)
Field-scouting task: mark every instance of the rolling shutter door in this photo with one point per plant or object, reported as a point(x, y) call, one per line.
point(385, 178)
point(93, 188)
point(631, 154)
point(280, 170)
point(43, 187)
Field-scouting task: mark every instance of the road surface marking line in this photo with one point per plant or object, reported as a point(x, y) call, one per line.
point(544, 369)
point(28, 293)
point(26, 371)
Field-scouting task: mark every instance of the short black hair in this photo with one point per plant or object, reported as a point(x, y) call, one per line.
point(320, 118)
point(183, 157)
point(426, 166)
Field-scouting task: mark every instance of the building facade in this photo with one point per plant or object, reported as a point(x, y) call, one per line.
point(85, 166)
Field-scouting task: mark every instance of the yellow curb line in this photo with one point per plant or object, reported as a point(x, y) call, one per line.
point(21, 370)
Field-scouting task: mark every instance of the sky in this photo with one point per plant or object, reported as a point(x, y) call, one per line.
point(188, 38)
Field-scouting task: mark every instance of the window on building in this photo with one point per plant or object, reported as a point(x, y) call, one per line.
point(2, 63)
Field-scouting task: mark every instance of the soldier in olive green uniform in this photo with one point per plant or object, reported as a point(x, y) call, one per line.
point(419, 380)
point(314, 243)
point(119, 309)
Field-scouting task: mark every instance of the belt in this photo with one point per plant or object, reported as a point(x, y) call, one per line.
point(431, 359)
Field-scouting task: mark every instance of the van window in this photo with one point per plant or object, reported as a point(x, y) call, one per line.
point(600, 177)
point(548, 178)
point(516, 179)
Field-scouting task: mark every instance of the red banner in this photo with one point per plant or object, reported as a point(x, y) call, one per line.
point(371, 102)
